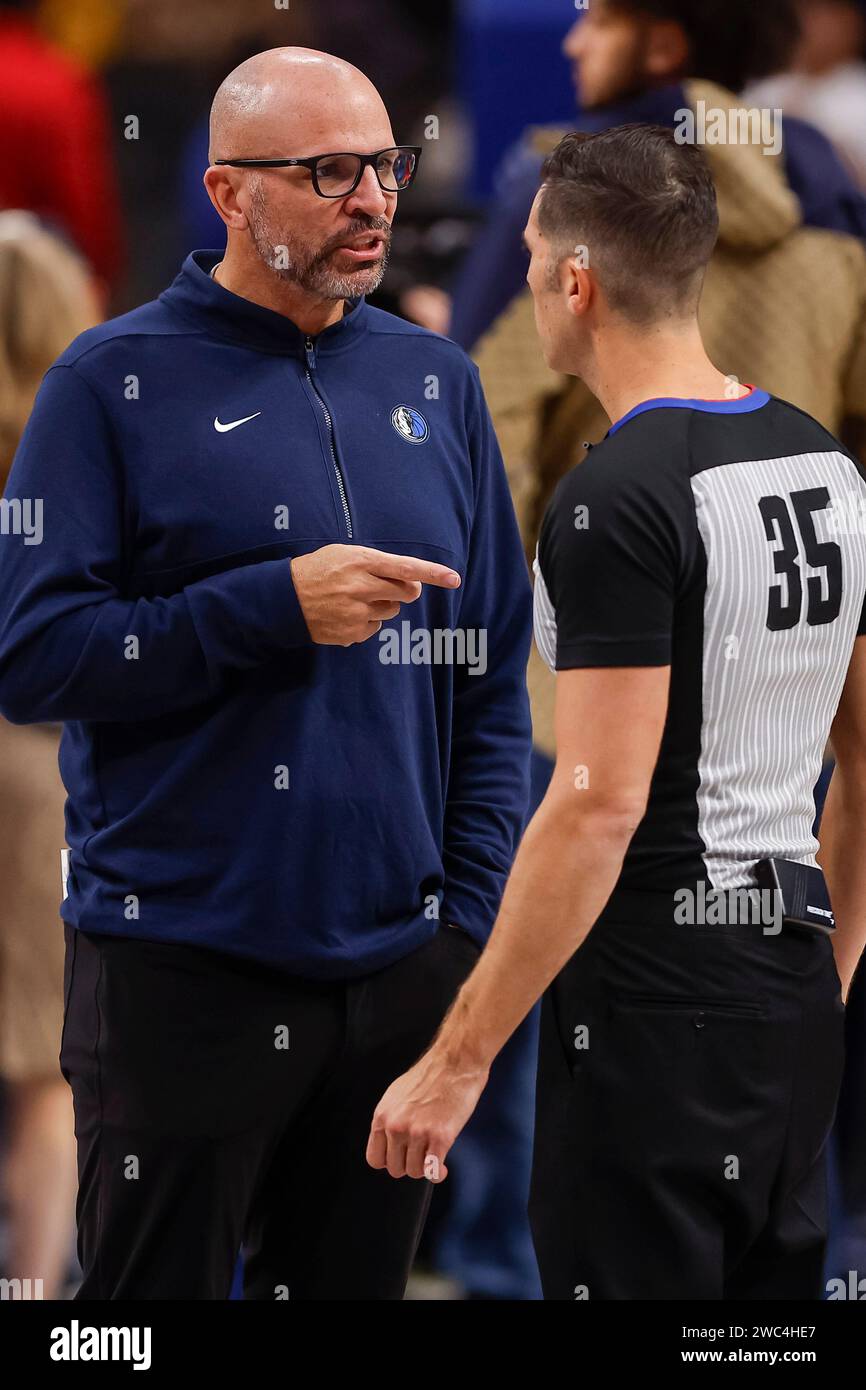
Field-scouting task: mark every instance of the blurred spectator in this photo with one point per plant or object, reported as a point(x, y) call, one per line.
point(758, 322)
point(783, 306)
point(827, 81)
point(87, 30)
point(56, 141)
point(629, 60)
point(46, 299)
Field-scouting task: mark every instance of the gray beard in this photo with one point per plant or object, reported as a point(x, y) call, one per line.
point(313, 274)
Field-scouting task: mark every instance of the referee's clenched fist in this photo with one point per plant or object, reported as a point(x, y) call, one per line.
point(347, 592)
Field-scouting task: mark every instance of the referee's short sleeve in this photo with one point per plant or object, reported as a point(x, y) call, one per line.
point(610, 556)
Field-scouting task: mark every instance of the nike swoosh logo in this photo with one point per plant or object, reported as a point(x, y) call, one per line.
point(233, 424)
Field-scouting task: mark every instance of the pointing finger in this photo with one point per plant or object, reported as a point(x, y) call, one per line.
point(406, 567)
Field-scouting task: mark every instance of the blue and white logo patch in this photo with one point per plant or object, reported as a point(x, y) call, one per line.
point(409, 423)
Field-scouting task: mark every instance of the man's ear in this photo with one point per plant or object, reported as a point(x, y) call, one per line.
point(666, 50)
point(222, 188)
point(578, 284)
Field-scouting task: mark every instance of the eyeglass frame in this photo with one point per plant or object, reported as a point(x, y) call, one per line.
point(314, 160)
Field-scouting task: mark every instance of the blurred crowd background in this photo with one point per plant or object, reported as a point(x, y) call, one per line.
point(103, 142)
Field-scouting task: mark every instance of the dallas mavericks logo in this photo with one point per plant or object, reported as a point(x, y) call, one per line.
point(410, 424)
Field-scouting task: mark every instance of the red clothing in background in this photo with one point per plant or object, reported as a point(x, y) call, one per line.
point(55, 144)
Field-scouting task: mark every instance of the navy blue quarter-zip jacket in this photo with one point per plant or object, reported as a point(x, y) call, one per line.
point(230, 782)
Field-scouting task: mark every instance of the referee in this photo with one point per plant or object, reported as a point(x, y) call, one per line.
point(700, 590)
point(280, 605)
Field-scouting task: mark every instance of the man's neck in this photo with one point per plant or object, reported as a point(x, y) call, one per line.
point(253, 281)
point(630, 367)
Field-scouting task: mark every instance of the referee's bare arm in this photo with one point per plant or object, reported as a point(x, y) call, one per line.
point(609, 725)
point(843, 824)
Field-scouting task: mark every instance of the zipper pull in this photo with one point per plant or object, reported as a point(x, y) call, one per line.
point(310, 350)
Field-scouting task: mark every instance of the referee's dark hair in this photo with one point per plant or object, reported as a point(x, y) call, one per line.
point(732, 42)
point(643, 206)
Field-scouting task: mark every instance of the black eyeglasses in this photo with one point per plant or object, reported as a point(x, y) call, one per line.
point(336, 175)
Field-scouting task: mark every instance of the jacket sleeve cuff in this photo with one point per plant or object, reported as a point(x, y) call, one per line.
point(274, 605)
point(281, 613)
point(246, 615)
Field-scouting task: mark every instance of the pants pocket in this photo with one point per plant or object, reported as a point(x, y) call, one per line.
point(702, 1060)
point(690, 1004)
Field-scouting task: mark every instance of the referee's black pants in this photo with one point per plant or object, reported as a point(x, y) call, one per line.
point(219, 1103)
point(687, 1083)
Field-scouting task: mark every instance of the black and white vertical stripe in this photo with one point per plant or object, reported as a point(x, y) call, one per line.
point(768, 697)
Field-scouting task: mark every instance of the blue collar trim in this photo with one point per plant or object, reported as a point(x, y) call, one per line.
point(739, 406)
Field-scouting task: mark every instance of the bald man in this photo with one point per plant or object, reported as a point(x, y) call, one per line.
point(280, 605)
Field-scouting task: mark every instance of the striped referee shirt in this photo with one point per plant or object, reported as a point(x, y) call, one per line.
point(726, 539)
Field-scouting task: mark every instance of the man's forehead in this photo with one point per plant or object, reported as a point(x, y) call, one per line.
point(301, 134)
point(337, 139)
point(298, 119)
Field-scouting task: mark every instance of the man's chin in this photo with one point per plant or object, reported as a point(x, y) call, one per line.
point(619, 95)
point(595, 101)
point(361, 278)
point(350, 284)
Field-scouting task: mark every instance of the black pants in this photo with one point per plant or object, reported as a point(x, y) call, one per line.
point(687, 1082)
point(218, 1102)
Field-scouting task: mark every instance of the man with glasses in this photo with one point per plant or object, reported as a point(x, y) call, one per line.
point(289, 819)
